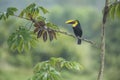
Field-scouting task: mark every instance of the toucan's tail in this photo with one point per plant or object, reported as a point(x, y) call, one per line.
point(79, 41)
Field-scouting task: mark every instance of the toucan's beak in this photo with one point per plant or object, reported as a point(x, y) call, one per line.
point(70, 21)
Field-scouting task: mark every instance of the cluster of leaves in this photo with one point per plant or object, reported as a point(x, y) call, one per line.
point(50, 70)
point(33, 12)
point(43, 28)
point(10, 12)
point(22, 39)
point(114, 10)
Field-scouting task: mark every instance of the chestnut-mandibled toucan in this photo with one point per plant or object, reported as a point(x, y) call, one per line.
point(76, 28)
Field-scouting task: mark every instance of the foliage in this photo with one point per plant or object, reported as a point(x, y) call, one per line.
point(113, 15)
point(32, 11)
point(22, 39)
point(50, 70)
point(10, 12)
point(114, 10)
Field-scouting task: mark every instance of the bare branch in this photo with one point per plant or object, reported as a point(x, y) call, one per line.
point(86, 40)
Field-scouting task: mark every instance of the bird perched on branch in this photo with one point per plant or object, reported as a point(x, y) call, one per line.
point(76, 28)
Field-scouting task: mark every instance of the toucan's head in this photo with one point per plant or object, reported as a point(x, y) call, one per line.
point(73, 22)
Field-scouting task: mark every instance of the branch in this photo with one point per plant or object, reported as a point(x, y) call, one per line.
point(83, 39)
point(65, 33)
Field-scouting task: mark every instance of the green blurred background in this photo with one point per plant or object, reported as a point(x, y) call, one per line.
point(16, 66)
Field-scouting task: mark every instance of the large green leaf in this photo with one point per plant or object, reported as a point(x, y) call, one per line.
point(32, 11)
point(21, 40)
point(49, 70)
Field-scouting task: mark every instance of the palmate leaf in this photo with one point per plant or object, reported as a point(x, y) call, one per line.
point(33, 12)
point(43, 71)
point(48, 73)
point(63, 63)
point(30, 11)
point(21, 40)
point(47, 70)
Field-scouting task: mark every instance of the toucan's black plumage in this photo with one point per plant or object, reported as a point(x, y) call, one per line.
point(76, 28)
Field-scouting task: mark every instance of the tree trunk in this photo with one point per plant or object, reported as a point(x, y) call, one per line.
point(102, 54)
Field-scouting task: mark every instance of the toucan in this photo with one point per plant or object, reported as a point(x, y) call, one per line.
point(76, 28)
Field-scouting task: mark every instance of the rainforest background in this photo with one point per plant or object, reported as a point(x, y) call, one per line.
point(14, 65)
